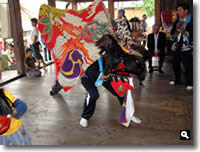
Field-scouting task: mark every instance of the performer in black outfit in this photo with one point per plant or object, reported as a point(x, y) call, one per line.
point(97, 74)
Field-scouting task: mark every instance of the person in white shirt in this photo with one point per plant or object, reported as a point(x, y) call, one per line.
point(156, 43)
point(144, 27)
point(35, 43)
point(143, 24)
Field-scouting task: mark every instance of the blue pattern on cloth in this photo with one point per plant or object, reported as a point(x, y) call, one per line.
point(99, 82)
point(186, 37)
point(20, 137)
point(187, 20)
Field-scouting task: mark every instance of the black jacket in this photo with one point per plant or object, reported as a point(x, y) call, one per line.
point(161, 42)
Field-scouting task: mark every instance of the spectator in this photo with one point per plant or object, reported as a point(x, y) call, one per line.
point(5, 49)
point(35, 43)
point(182, 35)
point(167, 27)
point(11, 53)
point(26, 45)
point(123, 31)
point(156, 45)
point(0, 64)
point(144, 27)
point(143, 24)
point(30, 66)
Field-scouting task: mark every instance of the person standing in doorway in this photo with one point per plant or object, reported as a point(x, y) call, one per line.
point(144, 27)
point(35, 43)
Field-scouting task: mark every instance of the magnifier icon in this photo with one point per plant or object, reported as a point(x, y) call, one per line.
point(184, 134)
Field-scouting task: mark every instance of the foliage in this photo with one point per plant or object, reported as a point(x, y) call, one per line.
point(149, 6)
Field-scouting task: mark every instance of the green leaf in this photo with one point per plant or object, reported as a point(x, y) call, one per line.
point(46, 29)
point(44, 20)
point(148, 6)
point(50, 34)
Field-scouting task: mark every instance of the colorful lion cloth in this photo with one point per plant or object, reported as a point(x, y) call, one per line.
point(70, 36)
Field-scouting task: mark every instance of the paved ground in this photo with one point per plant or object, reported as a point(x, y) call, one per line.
point(164, 111)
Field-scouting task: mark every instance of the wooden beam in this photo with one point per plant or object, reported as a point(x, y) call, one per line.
point(157, 11)
point(17, 34)
point(111, 8)
point(74, 4)
point(52, 3)
point(4, 44)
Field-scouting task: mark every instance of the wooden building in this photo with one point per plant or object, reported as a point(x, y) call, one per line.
point(16, 24)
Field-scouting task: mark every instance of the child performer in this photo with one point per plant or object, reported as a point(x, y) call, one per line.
point(13, 109)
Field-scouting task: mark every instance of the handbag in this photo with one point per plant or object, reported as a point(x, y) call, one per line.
point(175, 46)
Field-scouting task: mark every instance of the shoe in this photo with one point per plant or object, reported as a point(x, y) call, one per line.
point(160, 71)
point(188, 88)
point(136, 120)
point(172, 83)
point(83, 122)
point(142, 85)
point(151, 70)
point(52, 93)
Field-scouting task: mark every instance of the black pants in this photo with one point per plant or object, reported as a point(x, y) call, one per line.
point(36, 51)
point(144, 43)
point(161, 61)
point(45, 54)
point(93, 95)
point(187, 59)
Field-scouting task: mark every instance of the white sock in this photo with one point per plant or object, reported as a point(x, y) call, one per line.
point(83, 122)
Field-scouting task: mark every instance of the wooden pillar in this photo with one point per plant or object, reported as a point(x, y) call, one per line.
point(52, 3)
point(157, 11)
point(4, 44)
point(111, 8)
point(17, 34)
point(74, 4)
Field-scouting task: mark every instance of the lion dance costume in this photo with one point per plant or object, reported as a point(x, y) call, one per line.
point(75, 39)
